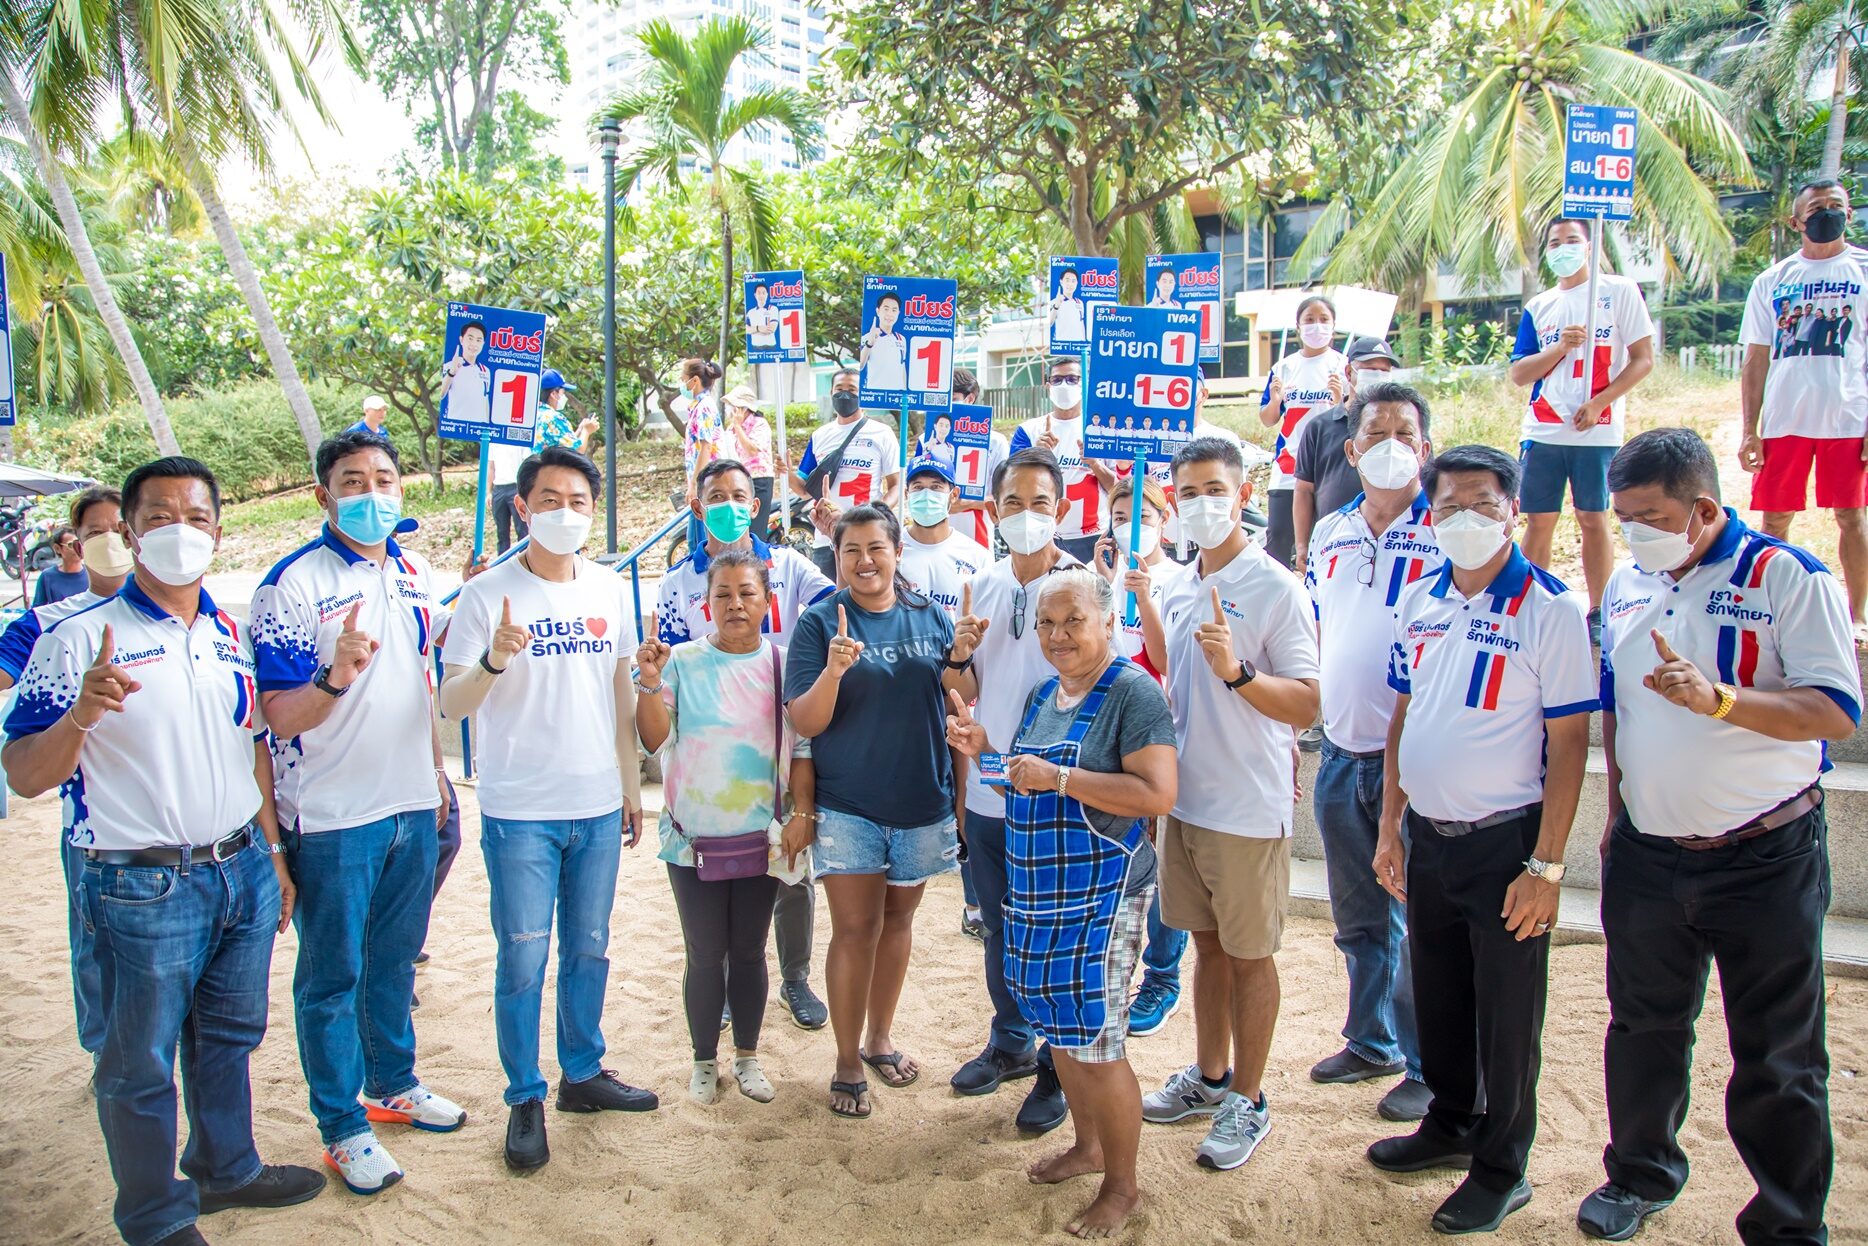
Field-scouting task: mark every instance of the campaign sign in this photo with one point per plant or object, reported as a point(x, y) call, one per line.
point(9, 409)
point(907, 345)
point(992, 769)
point(1078, 282)
point(1144, 375)
point(1599, 162)
point(972, 449)
point(489, 386)
point(775, 317)
point(1189, 282)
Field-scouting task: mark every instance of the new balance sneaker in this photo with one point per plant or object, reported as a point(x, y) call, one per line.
point(419, 1107)
point(1151, 1008)
point(1238, 1127)
point(363, 1163)
point(1184, 1094)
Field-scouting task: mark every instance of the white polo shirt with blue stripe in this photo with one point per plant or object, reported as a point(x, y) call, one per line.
point(682, 614)
point(1483, 675)
point(1355, 580)
point(175, 768)
point(374, 756)
point(23, 633)
point(1754, 612)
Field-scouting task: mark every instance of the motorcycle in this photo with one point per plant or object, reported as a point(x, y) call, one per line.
point(25, 539)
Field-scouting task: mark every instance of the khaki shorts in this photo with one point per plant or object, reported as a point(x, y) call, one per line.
point(1232, 884)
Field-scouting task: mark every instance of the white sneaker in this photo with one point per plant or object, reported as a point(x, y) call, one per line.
point(417, 1106)
point(1184, 1094)
point(363, 1163)
point(1238, 1127)
point(704, 1082)
point(752, 1080)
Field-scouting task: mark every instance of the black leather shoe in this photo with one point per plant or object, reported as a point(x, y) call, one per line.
point(187, 1235)
point(1346, 1066)
point(278, 1185)
point(1474, 1209)
point(605, 1092)
point(807, 1011)
point(1408, 1101)
point(1419, 1151)
point(1614, 1213)
point(1044, 1108)
point(526, 1148)
point(982, 1074)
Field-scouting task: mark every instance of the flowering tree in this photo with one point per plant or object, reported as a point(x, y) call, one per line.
point(186, 312)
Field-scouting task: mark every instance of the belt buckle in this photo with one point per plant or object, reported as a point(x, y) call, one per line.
point(215, 851)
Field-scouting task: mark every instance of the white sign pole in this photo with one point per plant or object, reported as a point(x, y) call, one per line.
point(1589, 320)
point(781, 488)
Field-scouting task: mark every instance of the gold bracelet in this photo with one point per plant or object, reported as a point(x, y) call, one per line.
point(1728, 697)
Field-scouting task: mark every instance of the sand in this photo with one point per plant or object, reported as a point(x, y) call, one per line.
point(928, 1168)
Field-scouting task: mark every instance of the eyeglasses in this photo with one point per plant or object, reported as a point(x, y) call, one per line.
point(1018, 607)
point(1062, 378)
point(1365, 573)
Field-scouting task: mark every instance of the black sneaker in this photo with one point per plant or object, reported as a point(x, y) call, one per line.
point(421, 958)
point(1346, 1066)
point(807, 1011)
point(605, 1092)
point(526, 1148)
point(1474, 1208)
point(187, 1235)
point(1408, 1101)
point(1417, 1152)
point(982, 1074)
point(1614, 1213)
point(278, 1185)
point(1044, 1108)
point(972, 925)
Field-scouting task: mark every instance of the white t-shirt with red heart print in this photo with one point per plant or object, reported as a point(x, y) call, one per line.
point(546, 733)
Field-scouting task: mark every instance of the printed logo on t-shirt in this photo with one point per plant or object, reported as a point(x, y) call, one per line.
point(563, 637)
point(1814, 317)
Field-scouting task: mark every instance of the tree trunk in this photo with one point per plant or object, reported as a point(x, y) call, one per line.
point(79, 239)
point(1839, 96)
point(726, 281)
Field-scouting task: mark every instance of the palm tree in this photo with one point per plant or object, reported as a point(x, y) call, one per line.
point(1476, 185)
point(144, 187)
point(686, 112)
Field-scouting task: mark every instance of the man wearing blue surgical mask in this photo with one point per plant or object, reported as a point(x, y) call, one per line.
point(342, 629)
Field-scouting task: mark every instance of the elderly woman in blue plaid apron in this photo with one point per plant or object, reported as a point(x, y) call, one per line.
point(1092, 764)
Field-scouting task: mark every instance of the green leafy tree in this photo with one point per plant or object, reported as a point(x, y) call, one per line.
point(683, 112)
point(516, 141)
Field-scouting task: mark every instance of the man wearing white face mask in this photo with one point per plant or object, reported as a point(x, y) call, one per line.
point(538, 654)
point(1363, 555)
point(341, 633)
point(1086, 481)
point(1494, 679)
point(1727, 661)
point(1325, 480)
point(937, 561)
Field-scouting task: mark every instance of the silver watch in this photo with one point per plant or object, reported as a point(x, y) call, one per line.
point(1549, 871)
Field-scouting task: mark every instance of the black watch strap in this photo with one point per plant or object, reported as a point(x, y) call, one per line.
point(489, 668)
point(322, 682)
point(948, 662)
point(1247, 673)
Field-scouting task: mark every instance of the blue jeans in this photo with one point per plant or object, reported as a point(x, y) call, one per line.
point(985, 839)
point(182, 960)
point(86, 988)
point(1371, 927)
point(363, 899)
point(1166, 945)
point(532, 866)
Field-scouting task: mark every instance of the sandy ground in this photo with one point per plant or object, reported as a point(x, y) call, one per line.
point(928, 1168)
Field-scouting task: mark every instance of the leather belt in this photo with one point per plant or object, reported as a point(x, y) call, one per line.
point(1786, 813)
point(1453, 830)
point(1339, 749)
point(218, 851)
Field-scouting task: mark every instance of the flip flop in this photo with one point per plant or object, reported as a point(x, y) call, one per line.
point(889, 1068)
point(856, 1091)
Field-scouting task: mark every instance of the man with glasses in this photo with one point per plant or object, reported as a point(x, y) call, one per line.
point(1361, 557)
point(1485, 772)
point(996, 659)
point(1087, 482)
point(67, 579)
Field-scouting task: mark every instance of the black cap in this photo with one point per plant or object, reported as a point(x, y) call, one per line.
point(1371, 348)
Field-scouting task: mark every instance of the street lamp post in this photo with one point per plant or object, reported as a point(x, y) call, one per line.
point(609, 134)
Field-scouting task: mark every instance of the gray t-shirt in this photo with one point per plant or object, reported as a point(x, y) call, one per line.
point(1134, 715)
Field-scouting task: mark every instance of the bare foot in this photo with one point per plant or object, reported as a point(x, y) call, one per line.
point(1106, 1216)
point(1076, 1162)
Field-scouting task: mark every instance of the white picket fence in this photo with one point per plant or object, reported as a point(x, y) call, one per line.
point(1724, 359)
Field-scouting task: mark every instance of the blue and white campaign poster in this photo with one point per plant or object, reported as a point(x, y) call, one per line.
point(906, 356)
point(971, 436)
point(1144, 375)
point(489, 381)
point(1599, 162)
point(1191, 283)
point(8, 408)
point(1078, 282)
point(775, 317)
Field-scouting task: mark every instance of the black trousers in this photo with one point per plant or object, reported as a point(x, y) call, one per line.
point(1756, 909)
point(1281, 528)
point(506, 519)
point(724, 925)
point(1478, 992)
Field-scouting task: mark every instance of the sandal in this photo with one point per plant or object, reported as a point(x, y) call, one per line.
point(858, 1093)
point(889, 1068)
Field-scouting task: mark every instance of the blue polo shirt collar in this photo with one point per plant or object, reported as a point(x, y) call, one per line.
point(1730, 537)
point(1509, 581)
point(133, 593)
point(703, 560)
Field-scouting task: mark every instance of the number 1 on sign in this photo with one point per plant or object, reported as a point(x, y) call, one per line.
point(1177, 348)
point(932, 354)
point(792, 322)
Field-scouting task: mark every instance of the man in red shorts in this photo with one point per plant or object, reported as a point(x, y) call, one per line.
point(1805, 397)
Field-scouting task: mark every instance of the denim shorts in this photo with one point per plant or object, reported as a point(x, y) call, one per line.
point(1547, 469)
point(847, 844)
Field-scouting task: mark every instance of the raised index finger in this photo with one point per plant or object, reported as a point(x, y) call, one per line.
point(843, 622)
point(966, 599)
point(1219, 615)
point(505, 612)
point(959, 706)
point(1662, 647)
point(350, 620)
point(106, 648)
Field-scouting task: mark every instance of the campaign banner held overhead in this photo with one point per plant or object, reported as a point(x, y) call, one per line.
point(971, 435)
point(1078, 283)
point(1189, 283)
point(775, 317)
point(489, 386)
point(906, 356)
point(1599, 162)
point(1144, 376)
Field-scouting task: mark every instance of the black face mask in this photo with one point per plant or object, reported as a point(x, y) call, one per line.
point(845, 404)
point(1825, 224)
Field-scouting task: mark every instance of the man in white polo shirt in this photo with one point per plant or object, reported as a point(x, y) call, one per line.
point(1360, 559)
point(341, 632)
point(725, 504)
point(1242, 679)
point(1727, 661)
point(142, 710)
point(936, 560)
point(1492, 664)
point(538, 653)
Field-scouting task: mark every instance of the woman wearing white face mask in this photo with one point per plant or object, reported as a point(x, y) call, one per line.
point(1301, 384)
point(539, 654)
point(1141, 641)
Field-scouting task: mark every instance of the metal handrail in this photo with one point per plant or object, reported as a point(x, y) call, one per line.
point(633, 559)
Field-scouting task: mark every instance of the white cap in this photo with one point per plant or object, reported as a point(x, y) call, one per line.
point(376, 402)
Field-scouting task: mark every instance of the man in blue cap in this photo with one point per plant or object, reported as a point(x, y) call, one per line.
point(553, 428)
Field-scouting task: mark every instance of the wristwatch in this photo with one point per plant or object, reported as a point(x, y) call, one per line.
point(1728, 697)
point(1549, 871)
point(1247, 673)
point(322, 682)
point(947, 661)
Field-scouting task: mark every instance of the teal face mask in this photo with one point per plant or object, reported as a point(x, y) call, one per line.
point(369, 518)
point(928, 507)
point(727, 522)
point(1567, 259)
